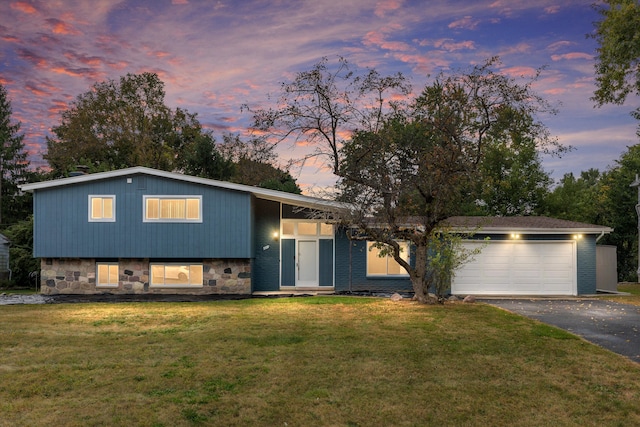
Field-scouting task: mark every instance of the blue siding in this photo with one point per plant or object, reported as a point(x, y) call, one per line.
point(266, 264)
point(288, 262)
point(587, 265)
point(326, 262)
point(62, 229)
point(355, 278)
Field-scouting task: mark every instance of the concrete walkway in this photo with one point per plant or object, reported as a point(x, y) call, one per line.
point(611, 325)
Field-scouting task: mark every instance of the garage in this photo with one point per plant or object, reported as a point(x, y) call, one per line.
point(519, 268)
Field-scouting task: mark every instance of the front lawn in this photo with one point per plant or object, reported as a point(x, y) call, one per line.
point(303, 361)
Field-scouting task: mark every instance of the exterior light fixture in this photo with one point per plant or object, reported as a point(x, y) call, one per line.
point(577, 236)
point(515, 236)
point(275, 235)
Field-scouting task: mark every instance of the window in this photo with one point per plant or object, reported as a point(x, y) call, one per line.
point(306, 228)
point(102, 208)
point(172, 208)
point(386, 265)
point(176, 275)
point(107, 274)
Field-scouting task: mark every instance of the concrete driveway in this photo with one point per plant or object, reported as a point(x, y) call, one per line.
point(611, 325)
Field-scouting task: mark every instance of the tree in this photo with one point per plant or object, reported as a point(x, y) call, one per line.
point(618, 202)
point(120, 124)
point(201, 157)
point(327, 103)
point(254, 164)
point(618, 54)
point(404, 179)
point(577, 199)
point(13, 166)
point(512, 180)
point(21, 260)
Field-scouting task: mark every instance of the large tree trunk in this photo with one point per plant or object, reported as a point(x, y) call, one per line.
point(419, 276)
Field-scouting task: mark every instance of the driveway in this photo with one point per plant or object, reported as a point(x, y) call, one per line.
point(611, 325)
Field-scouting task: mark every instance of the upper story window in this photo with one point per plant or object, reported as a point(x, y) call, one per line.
point(172, 208)
point(386, 265)
point(102, 208)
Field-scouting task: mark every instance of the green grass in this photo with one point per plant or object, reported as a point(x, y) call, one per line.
point(631, 288)
point(303, 361)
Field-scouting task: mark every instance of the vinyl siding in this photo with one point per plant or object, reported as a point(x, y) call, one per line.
point(266, 266)
point(62, 229)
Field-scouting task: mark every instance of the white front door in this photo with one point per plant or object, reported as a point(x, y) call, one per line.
point(307, 268)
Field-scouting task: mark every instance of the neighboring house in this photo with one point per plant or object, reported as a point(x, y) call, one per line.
point(5, 272)
point(141, 230)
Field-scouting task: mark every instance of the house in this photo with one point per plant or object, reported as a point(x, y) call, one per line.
point(141, 230)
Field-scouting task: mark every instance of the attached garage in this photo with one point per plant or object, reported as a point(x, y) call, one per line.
point(519, 268)
point(528, 256)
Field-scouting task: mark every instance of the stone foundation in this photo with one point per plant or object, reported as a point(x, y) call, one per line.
point(78, 276)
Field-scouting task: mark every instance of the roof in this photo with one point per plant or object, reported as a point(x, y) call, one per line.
point(260, 193)
point(528, 224)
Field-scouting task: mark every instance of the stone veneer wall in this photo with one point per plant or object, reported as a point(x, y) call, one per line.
point(78, 276)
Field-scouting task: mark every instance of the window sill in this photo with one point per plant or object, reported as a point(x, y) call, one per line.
point(174, 286)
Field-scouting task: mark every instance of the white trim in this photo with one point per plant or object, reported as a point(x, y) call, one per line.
point(174, 197)
point(102, 196)
point(107, 285)
point(297, 237)
point(387, 275)
point(261, 193)
point(177, 285)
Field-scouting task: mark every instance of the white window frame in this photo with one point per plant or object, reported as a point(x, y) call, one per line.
point(102, 197)
point(108, 284)
point(406, 255)
point(174, 285)
point(174, 197)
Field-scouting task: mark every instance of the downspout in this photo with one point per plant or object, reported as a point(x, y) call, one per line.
point(600, 236)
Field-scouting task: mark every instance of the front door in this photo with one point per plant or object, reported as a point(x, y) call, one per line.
point(307, 268)
point(307, 254)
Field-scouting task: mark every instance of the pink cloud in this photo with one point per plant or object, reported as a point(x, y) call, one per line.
point(559, 45)
point(33, 58)
point(521, 71)
point(57, 107)
point(552, 9)
point(555, 91)
point(517, 49)
point(93, 61)
point(451, 46)
point(36, 90)
point(572, 55)
point(23, 7)
point(385, 6)
point(466, 23)
point(61, 27)
point(10, 39)
point(378, 39)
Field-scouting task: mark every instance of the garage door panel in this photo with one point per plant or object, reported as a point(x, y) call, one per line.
point(518, 268)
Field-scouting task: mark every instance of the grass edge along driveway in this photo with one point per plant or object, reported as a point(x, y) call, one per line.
point(303, 361)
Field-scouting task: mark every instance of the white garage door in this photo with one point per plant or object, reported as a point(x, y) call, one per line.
point(519, 268)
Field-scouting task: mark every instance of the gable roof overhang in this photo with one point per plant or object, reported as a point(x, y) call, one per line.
point(260, 193)
point(523, 225)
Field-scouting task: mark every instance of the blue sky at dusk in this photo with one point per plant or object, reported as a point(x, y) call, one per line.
point(214, 56)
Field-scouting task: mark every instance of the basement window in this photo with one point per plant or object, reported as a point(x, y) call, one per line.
point(176, 275)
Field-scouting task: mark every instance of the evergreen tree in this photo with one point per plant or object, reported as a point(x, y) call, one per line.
point(14, 206)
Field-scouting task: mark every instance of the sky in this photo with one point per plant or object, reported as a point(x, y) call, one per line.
point(215, 56)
